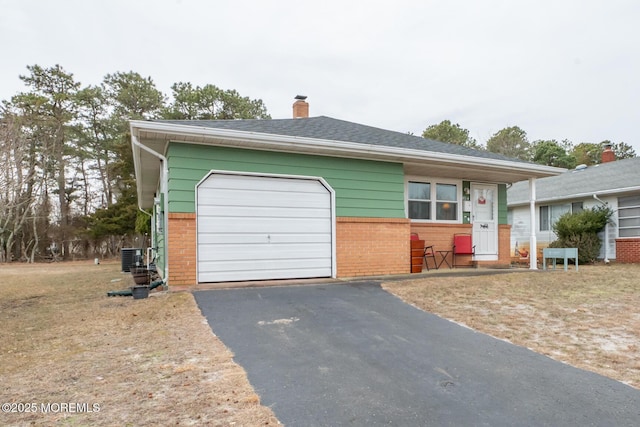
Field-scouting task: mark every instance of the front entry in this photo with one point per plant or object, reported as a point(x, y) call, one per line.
point(484, 217)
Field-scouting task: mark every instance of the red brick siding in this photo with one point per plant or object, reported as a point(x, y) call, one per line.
point(628, 250)
point(441, 237)
point(181, 241)
point(372, 246)
point(364, 246)
point(504, 245)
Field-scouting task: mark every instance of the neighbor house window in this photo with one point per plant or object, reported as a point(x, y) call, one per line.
point(549, 215)
point(429, 201)
point(544, 218)
point(629, 216)
point(577, 207)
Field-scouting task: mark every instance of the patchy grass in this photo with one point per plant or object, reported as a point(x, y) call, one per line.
point(148, 362)
point(589, 319)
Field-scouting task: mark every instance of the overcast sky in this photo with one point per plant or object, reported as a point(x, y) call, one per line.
point(559, 69)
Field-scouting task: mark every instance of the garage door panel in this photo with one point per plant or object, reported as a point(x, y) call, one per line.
point(213, 212)
point(247, 266)
point(263, 227)
point(266, 252)
point(267, 199)
point(260, 238)
point(247, 182)
point(237, 274)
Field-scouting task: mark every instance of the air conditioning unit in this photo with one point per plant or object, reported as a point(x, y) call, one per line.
point(131, 257)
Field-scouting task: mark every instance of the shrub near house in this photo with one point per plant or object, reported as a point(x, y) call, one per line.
point(580, 230)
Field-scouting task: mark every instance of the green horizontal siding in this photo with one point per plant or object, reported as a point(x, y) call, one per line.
point(502, 204)
point(363, 188)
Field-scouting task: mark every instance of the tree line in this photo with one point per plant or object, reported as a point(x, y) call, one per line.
point(513, 142)
point(67, 184)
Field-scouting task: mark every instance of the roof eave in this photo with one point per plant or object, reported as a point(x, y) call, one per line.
point(600, 193)
point(244, 139)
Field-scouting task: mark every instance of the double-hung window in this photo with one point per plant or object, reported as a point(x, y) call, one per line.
point(629, 216)
point(446, 202)
point(419, 200)
point(433, 201)
point(549, 214)
point(544, 218)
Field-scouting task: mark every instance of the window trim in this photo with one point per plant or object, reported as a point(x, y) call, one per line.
point(549, 208)
point(427, 201)
point(547, 218)
point(622, 217)
point(433, 208)
point(575, 208)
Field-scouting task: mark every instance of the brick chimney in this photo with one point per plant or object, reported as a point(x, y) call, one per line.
point(300, 107)
point(608, 155)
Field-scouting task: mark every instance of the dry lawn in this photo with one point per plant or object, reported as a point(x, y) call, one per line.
point(143, 362)
point(589, 319)
point(155, 361)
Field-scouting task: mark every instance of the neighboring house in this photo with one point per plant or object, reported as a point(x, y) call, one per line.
point(614, 183)
point(238, 200)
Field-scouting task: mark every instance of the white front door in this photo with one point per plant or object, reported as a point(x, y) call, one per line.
point(484, 216)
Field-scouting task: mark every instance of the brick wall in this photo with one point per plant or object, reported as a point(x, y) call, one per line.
point(441, 237)
point(628, 250)
point(372, 246)
point(182, 249)
point(504, 245)
point(364, 246)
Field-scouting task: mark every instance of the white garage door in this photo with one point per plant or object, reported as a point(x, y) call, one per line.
point(256, 227)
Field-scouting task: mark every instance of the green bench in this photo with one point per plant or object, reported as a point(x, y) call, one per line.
point(555, 253)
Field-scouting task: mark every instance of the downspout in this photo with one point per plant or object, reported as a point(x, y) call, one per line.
point(163, 188)
point(606, 233)
point(533, 246)
point(152, 233)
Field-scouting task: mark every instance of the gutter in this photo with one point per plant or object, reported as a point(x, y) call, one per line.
point(588, 195)
point(163, 188)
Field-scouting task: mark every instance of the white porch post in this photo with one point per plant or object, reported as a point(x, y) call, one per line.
point(533, 249)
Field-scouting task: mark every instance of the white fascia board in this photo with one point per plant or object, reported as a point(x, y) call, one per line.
point(294, 143)
point(588, 194)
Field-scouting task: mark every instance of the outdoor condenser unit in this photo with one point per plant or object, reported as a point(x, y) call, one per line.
point(131, 257)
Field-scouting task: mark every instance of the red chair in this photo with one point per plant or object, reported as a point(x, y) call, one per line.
point(463, 245)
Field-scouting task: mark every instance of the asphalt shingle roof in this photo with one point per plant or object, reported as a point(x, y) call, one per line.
point(603, 178)
point(328, 128)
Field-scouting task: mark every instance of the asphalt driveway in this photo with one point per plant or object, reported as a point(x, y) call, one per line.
point(353, 354)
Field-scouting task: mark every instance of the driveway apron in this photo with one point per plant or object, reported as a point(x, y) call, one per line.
point(353, 354)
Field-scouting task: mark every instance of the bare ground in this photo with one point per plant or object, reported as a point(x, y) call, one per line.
point(143, 362)
point(589, 319)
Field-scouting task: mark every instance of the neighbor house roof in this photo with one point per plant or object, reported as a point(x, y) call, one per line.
point(327, 137)
point(618, 177)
